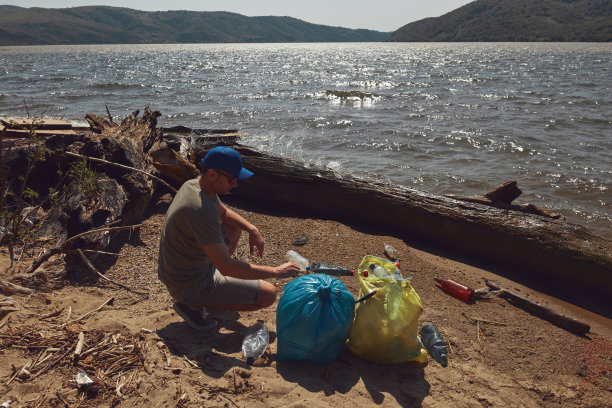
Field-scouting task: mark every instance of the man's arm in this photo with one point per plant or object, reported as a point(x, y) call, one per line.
point(234, 219)
point(229, 266)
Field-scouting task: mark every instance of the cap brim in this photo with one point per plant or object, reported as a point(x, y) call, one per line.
point(244, 174)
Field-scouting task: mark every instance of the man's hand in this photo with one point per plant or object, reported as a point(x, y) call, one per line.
point(256, 241)
point(287, 270)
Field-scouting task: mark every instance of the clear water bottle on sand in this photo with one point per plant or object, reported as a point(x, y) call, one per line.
point(391, 252)
point(293, 256)
point(434, 343)
point(255, 342)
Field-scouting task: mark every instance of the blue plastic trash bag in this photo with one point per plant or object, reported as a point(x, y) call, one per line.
point(313, 319)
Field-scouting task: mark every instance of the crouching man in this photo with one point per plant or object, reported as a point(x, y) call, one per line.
point(198, 238)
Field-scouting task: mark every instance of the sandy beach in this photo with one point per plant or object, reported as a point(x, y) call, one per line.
point(144, 355)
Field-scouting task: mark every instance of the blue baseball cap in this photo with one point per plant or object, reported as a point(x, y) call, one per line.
point(226, 159)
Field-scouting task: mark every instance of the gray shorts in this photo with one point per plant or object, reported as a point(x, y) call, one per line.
point(220, 290)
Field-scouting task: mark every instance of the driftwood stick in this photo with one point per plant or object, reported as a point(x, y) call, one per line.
point(107, 302)
point(79, 347)
point(9, 288)
point(93, 251)
point(43, 258)
point(95, 270)
point(82, 234)
point(44, 395)
point(108, 113)
point(123, 167)
point(61, 398)
point(565, 322)
point(48, 254)
point(52, 314)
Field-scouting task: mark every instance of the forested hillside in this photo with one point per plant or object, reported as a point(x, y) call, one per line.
point(111, 25)
point(516, 20)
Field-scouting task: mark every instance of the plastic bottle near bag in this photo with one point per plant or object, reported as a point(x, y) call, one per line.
point(379, 271)
point(293, 256)
point(457, 290)
point(391, 252)
point(255, 342)
point(434, 343)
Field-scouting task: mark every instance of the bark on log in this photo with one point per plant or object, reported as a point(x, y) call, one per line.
point(126, 144)
point(565, 322)
point(174, 164)
point(579, 263)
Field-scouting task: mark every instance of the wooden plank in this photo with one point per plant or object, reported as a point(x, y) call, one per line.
point(187, 130)
point(44, 124)
point(24, 133)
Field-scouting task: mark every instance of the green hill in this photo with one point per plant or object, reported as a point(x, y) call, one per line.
point(516, 20)
point(112, 25)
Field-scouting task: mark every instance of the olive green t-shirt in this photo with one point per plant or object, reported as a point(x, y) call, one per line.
point(192, 221)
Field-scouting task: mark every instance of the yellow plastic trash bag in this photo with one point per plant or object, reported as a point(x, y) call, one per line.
point(385, 329)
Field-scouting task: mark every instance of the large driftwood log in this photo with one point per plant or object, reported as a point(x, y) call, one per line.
point(575, 263)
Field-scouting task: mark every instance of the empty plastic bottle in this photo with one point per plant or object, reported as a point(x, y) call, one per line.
point(397, 274)
point(391, 252)
point(255, 342)
point(379, 271)
point(434, 343)
point(456, 289)
point(293, 256)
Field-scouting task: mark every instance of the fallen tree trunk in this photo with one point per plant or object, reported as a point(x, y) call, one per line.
point(572, 260)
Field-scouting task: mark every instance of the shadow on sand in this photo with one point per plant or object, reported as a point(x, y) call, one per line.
point(212, 351)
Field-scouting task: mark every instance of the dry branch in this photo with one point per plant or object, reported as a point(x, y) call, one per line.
point(9, 288)
point(79, 346)
point(95, 270)
point(107, 302)
point(95, 159)
point(48, 254)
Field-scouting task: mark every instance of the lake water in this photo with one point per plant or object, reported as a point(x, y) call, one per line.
point(447, 118)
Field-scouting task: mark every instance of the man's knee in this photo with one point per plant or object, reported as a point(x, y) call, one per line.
point(267, 294)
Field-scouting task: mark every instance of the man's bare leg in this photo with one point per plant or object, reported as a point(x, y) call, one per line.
point(266, 298)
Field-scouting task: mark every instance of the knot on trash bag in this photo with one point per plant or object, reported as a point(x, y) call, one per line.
point(324, 291)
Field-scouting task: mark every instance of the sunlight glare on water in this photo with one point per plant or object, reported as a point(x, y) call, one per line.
point(447, 118)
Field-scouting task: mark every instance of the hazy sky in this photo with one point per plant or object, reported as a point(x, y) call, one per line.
point(382, 15)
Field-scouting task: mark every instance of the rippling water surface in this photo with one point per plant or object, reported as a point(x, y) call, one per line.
point(448, 118)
